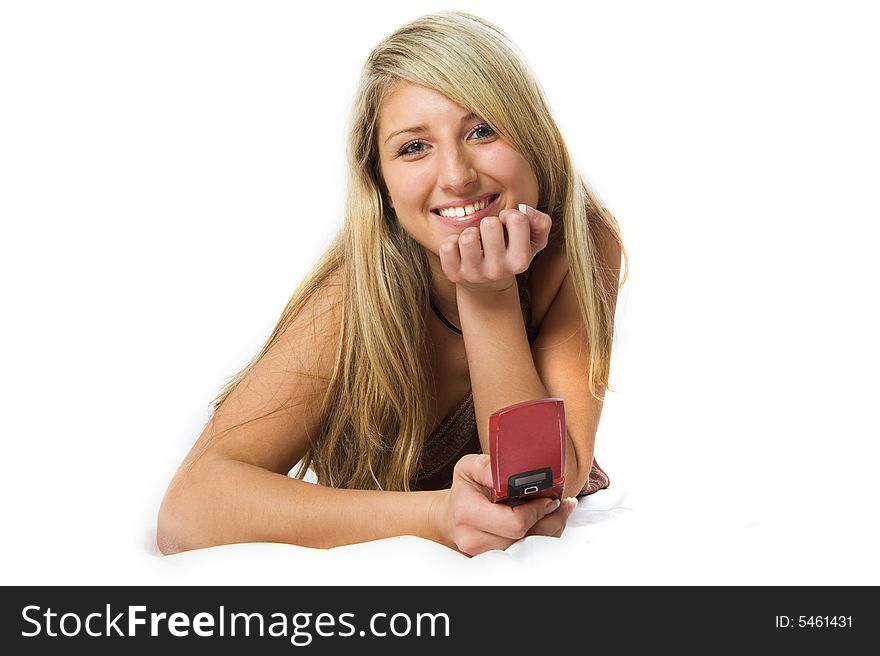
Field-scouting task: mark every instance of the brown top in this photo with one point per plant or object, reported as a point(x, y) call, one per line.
point(457, 435)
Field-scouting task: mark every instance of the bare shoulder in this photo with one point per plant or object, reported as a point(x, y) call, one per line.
point(550, 267)
point(609, 251)
point(275, 412)
point(317, 324)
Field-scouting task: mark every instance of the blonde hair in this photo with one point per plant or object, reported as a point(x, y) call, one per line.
point(376, 402)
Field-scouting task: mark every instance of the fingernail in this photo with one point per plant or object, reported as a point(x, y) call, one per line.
point(553, 505)
point(572, 503)
point(522, 207)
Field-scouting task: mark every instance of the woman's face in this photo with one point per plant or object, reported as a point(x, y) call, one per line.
point(445, 168)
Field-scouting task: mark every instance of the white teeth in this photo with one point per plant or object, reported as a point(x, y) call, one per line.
point(467, 210)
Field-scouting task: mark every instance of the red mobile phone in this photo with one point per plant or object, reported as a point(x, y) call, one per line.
point(527, 444)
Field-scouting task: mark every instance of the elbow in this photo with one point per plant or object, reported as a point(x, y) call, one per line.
point(577, 470)
point(187, 519)
point(575, 485)
point(172, 533)
point(168, 538)
point(180, 521)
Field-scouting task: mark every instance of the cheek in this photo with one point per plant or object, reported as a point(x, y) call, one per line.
point(513, 170)
point(409, 187)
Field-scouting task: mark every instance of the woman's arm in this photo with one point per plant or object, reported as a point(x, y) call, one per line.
point(504, 369)
point(233, 486)
point(226, 501)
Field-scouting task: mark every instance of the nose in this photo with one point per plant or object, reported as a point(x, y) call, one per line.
point(456, 172)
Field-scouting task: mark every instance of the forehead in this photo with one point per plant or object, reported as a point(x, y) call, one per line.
point(407, 102)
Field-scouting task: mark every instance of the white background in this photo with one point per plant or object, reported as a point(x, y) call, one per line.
point(169, 170)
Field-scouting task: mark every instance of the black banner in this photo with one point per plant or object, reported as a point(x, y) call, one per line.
point(429, 620)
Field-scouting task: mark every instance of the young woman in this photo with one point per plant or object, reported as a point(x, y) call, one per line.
point(474, 270)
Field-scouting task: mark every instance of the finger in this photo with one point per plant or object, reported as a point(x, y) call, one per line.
point(519, 246)
point(477, 468)
point(540, 225)
point(450, 257)
point(554, 523)
point(475, 542)
point(471, 251)
point(515, 522)
point(494, 255)
point(551, 526)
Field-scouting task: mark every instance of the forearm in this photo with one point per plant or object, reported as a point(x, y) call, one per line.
point(502, 369)
point(500, 363)
point(225, 501)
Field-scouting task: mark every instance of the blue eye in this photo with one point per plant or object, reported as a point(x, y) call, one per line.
point(483, 127)
point(407, 149)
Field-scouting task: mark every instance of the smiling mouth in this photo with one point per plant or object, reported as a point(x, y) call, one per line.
point(466, 210)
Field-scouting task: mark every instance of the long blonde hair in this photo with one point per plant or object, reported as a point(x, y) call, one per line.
point(376, 402)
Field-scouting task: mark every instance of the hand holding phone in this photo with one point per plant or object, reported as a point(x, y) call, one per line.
point(527, 444)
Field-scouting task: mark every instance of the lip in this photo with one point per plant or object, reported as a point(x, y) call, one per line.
point(471, 219)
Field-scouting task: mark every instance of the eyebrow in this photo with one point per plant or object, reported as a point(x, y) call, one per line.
point(421, 129)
